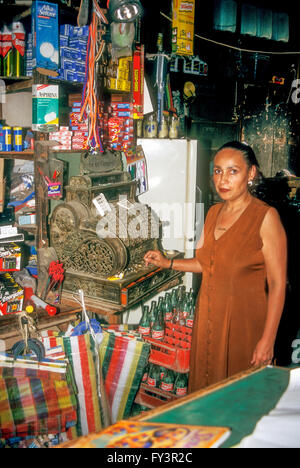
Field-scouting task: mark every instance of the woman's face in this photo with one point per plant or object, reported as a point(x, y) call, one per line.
point(231, 174)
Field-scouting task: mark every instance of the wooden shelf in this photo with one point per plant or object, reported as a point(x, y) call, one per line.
point(31, 228)
point(9, 324)
point(69, 151)
point(14, 83)
point(26, 155)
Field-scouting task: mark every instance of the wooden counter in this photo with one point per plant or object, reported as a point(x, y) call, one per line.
point(238, 403)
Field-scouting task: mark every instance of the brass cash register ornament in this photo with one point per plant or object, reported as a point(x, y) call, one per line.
point(102, 231)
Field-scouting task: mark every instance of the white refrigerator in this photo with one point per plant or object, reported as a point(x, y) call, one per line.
point(178, 192)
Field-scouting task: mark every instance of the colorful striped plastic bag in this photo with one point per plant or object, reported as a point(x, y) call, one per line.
point(123, 359)
point(36, 398)
point(93, 414)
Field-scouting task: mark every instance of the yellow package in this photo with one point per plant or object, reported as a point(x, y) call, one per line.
point(183, 27)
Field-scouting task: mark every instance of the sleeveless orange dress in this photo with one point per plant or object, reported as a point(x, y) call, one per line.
point(232, 304)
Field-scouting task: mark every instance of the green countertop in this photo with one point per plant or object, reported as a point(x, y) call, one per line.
point(239, 405)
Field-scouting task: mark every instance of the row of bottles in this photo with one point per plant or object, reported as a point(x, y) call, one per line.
point(12, 48)
point(159, 377)
point(177, 307)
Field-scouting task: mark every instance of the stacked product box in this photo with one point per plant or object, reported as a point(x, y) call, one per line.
point(121, 127)
point(120, 79)
point(79, 128)
point(11, 295)
point(29, 55)
point(10, 257)
point(103, 124)
point(73, 52)
point(63, 137)
point(44, 28)
point(2, 139)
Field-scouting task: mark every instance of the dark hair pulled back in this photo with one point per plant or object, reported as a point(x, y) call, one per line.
point(250, 159)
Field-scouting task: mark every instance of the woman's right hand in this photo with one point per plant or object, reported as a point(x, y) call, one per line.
point(155, 257)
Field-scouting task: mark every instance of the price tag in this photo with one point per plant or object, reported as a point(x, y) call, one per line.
point(101, 204)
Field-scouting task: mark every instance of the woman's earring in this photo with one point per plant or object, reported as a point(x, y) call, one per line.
point(250, 183)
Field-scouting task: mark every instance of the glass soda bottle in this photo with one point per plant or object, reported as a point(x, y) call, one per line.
point(168, 308)
point(153, 376)
point(174, 298)
point(185, 307)
point(158, 328)
point(18, 56)
point(181, 385)
point(190, 318)
point(192, 298)
point(153, 313)
point(167, 382)
point(144, 325)
point(160, 305)
point(145, 374)
point(174, 304)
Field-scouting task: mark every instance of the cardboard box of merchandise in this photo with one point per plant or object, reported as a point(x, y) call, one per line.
point(45, 107)
point(10, 257)
point(11, 295)
point(45, 35)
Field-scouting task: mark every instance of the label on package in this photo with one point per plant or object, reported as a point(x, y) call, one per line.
point(144, 330)
point(168, 316)
point(19, 42)
point(151, 382)
point(181, 391)
point(190, 323)
point(6, 43)
point(167, 387)
point(158, 334)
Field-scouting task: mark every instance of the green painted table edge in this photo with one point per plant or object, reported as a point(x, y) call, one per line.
point(238, 405)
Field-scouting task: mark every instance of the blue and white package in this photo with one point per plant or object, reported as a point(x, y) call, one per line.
point(45, 35)
point(68, 64)
point(66, 30)
point(70, 53)
point(63, 40)
point(2, 138)
point(80, 66)
point(79, 43)
point(80, 31)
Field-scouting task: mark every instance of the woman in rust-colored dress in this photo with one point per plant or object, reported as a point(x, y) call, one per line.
point(242, 255)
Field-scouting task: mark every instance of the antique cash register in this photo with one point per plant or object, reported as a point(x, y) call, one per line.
point(101, 234)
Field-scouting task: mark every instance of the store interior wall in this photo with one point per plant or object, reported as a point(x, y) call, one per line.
point(17, 111)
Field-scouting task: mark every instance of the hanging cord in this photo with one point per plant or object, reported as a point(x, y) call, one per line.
point(26, 324)
point(90, 100)
point(236, 48)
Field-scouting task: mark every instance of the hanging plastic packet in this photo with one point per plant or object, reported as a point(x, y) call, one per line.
point(122, 37)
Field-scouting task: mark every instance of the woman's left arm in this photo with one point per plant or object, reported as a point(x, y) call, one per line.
point(275, 254)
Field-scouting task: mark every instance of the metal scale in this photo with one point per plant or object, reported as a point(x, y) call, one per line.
point(103, 252)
